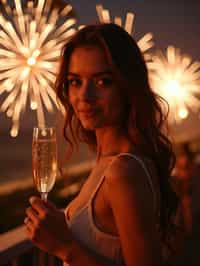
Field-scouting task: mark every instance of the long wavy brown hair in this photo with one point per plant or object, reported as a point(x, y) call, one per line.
point(145, 119)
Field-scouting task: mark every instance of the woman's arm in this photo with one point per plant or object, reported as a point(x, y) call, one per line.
point(132, 204)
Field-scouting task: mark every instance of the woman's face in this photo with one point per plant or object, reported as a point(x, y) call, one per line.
point(93, 91)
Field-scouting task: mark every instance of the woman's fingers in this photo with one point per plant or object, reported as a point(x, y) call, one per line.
point(32, 215)
point(34, 223)
point(38, 205)
point(29, 226)
point(42, 207)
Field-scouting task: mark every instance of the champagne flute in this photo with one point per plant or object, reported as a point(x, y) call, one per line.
point(44, 159)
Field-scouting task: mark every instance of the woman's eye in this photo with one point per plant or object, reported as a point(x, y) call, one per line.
point(74, 82)
point(104, 82)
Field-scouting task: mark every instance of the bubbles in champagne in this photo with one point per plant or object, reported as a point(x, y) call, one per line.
point(44, 164)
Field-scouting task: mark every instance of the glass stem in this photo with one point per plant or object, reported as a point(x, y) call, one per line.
point(44, 196)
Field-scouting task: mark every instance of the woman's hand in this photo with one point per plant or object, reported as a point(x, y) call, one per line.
point(47, 228)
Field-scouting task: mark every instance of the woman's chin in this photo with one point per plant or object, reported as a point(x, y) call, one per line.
point(90, 125)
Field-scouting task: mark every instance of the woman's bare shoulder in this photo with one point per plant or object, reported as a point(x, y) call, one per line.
point(126, 168)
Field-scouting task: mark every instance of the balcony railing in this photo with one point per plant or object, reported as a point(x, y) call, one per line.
point(17, 250)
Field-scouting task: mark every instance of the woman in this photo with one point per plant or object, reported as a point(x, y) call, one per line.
point(123, 213)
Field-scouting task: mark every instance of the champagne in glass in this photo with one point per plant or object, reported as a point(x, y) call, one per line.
point(44, 159)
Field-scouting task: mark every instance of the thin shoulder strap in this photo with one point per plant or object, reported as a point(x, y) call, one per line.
point(149, 178)
point(102, 178)
point(97, 186)
point(143, 166)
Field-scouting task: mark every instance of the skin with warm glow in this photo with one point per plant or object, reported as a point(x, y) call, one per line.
point(177, 80)
point(92, 89)
point(31, 43)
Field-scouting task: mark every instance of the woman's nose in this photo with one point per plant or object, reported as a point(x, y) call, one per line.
point(87, 91)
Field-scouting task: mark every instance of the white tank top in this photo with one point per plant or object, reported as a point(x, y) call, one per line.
point(85, 231)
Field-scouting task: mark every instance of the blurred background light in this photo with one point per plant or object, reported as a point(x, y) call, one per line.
point(177, 79)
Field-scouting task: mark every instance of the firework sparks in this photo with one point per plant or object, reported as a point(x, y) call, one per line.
point(177, 79)
point(145, 43)
point(31, 39)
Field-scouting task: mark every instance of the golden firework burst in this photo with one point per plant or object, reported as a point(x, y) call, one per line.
point(31, 38)
point(177, 79)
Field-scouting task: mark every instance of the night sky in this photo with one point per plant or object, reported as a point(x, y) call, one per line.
point(172, 22)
